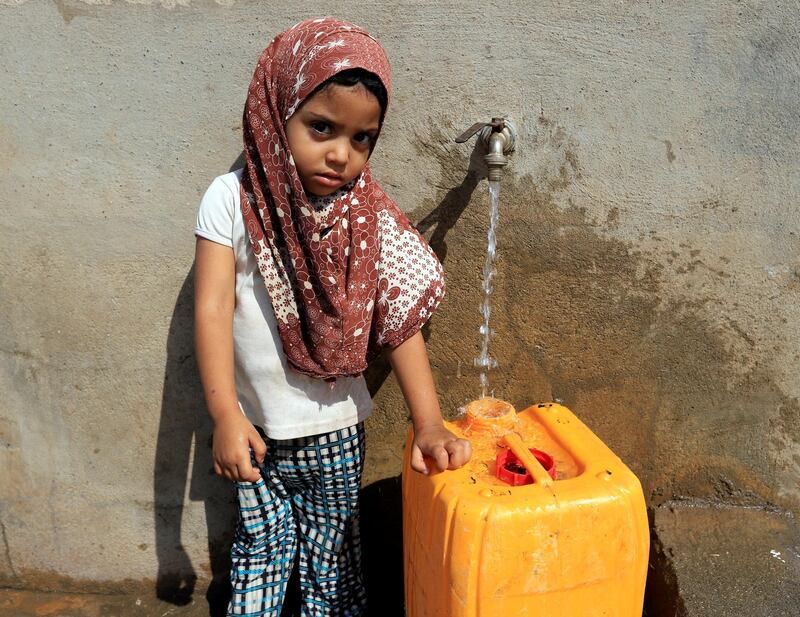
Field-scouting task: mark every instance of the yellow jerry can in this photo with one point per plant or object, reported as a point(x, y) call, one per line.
point(571, 541)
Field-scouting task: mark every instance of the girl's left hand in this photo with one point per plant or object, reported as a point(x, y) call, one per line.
point(437, 443)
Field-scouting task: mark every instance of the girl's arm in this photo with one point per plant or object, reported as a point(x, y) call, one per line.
point(409, 361)
point(214, 298)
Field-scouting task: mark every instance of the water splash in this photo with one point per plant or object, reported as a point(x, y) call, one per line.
point(485, 361)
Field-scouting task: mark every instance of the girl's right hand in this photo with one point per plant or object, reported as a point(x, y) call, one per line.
point(234, 436)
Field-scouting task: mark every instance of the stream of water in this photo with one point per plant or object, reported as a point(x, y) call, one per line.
point(485, 362)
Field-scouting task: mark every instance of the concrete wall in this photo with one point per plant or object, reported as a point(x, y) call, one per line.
point(649, 273)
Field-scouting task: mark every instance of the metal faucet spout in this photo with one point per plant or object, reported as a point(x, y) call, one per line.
point(500, 137)
point(496, 158)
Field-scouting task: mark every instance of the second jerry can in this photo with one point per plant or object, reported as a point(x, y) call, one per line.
point(506, 536)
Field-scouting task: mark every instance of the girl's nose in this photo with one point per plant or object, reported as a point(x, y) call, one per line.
point(338, 153)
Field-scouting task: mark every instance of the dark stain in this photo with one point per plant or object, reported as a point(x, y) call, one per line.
point(670, 153)
point(572, 159)
point(46, 581)
point(662, 597)
point(742, 334)
point(70, 9)
point(786, 427)
point(699, 263)
point(563, 148)
point(84, 601)
point(612, 218)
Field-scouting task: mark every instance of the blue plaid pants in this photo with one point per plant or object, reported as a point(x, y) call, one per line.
point(306, 500)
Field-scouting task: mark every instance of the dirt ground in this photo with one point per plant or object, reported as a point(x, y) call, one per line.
point(15, 603)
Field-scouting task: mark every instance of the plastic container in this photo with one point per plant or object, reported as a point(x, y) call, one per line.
point(574, 542)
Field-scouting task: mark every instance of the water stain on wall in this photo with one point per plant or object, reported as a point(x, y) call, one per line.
point(588, 319)
point(70, 9)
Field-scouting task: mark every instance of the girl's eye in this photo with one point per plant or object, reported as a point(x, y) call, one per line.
point(320, 127)
point(363, 139)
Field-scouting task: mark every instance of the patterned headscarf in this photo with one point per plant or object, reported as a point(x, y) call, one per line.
point(347, 276)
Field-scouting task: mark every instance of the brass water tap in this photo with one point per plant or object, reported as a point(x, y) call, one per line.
point(500, 136)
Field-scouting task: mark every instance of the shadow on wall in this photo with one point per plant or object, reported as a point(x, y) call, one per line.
point(453, 204)
point(185, 428)
point(441, 218)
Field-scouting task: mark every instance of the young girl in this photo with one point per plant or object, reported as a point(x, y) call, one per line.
point(304, 271)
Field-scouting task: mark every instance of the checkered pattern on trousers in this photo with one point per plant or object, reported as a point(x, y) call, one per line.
point(307, 498)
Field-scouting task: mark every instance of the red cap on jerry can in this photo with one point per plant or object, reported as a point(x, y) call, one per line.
point(510, 469)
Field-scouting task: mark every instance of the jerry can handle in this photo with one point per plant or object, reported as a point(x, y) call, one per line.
point(534, 467)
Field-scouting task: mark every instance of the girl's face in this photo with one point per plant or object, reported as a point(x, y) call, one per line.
point(331, 136)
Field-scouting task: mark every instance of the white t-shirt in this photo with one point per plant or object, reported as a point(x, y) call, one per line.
point(285, 403)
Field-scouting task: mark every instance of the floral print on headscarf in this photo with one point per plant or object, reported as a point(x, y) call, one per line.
point(348, 274)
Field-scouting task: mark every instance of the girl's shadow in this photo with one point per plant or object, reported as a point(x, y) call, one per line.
point(441, 219)
point(185, 430)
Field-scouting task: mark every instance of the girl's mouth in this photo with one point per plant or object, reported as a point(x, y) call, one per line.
point(328, 180)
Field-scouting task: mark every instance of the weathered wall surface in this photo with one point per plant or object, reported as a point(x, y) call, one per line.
point(649, 274)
